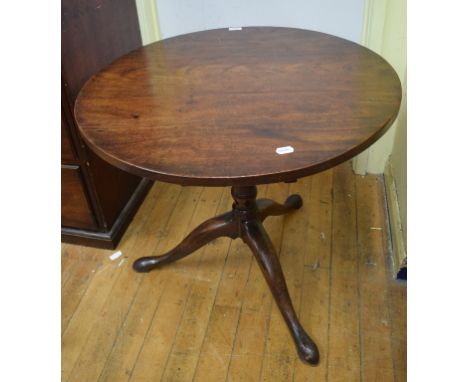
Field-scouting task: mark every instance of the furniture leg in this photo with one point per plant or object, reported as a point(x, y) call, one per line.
point(255, 236)
point(268, 207)
point(245, 221)
point(223, 225)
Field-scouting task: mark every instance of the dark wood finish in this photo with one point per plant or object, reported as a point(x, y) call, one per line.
point(255, 236)
point(210, 108)
point(212, 320)
point(94, 35)
point(76, 210)
point(110, 237)
point(72, 146)
point(223, 225)
point(245, 221)
point(113, 187)
point(268, 207)
point(68, 152)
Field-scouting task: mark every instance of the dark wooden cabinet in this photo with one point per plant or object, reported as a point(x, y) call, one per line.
point(76, 210)
point(98, 200)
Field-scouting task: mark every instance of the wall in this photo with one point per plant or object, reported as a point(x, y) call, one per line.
point(342, 18)
point(384, 31)
point(395, 185)
point(398, 164)
point(148, 20)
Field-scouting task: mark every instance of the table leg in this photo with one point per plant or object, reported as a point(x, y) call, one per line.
point(245, 221)
point(255, 236)
point(223, 225)
point(268, 207)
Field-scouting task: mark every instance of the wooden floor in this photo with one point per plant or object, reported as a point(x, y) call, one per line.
point(210, 316)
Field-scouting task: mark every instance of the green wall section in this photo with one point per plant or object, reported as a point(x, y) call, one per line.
point(384, 31)
point(148, 20)
point(394, 50)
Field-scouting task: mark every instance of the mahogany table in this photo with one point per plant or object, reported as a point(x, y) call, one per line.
point(239, 108)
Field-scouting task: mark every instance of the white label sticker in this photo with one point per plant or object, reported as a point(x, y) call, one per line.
point(235, 28)
point(284, 150)
point(115, 255)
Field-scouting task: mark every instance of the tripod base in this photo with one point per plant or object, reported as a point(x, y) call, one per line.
point(245, 221)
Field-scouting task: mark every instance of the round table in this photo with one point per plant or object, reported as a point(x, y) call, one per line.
point(239, 107)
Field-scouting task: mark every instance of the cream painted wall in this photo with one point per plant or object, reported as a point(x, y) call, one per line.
point(398, 164)
point(342, 18)
point(384, 31)
point(148, 20)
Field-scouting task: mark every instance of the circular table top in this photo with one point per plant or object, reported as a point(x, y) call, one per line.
point(212, 108)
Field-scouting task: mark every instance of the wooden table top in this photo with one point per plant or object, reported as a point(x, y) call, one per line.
point(211, 108)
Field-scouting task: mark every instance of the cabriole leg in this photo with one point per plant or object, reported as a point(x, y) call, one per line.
point(222, 225)
point(255, 236)
point(268, 207)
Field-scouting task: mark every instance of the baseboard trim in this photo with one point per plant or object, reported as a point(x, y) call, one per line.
point(109, 239)
point(398, 242)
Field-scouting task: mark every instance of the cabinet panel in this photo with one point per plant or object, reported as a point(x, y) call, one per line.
point(93, 37)
point(114, 187)
point(68, 154)
point(98, 200)
point(75, 208)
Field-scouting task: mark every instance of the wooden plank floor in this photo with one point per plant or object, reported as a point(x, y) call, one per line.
point(210, 316)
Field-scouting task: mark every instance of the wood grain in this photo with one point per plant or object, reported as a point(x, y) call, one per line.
point(210, 108)
point(76, 209)
point(210, 317)
point(215, 354)
point(91, 310)
point(191, 332)
point(315, 288)
point(94, 33)
point(76, 285)
point(152, 355)
point(376, 364)
point(344, 359)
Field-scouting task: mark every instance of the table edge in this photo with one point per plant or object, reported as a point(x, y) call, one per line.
point(286, 176)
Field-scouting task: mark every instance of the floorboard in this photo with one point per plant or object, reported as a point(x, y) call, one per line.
point(211, 317)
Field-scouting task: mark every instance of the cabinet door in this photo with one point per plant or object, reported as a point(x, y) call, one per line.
point(94, 36)
point(76, 212)
point(68, 154)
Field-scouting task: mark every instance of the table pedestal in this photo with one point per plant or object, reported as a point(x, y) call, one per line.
point(245, 221)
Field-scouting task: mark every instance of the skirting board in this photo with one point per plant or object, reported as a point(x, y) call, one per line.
point(398, 242)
